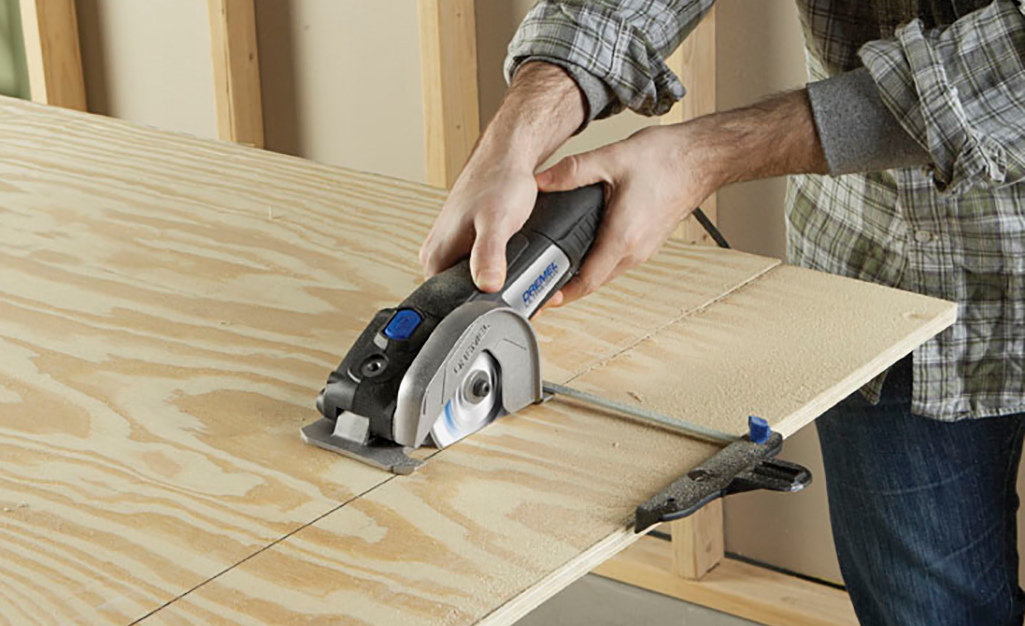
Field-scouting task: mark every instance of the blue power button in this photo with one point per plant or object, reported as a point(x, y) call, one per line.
point(402, 325)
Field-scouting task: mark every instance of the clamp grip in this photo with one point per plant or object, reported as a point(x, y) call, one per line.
point(741, 466)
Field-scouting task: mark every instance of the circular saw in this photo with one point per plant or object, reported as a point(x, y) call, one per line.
point(450, 359)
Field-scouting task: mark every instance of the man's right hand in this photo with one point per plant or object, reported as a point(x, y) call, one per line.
point(495, 192)
point(490, 201)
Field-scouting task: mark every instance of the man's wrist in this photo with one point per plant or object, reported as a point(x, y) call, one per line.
point(541, 110)
point(772, 138)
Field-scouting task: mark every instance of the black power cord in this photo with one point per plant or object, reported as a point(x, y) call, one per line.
point(710, 228)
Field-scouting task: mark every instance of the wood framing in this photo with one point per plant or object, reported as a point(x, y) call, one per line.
point(697, 542)
point(755, 593)
point(448, 58)
point(160, 356)
point(52, 53)
point(694, 62)
point(236, 65)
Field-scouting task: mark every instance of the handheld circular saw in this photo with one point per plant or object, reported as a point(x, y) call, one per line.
point(451, 359)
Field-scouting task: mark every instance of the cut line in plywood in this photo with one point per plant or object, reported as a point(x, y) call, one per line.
point(751, 340)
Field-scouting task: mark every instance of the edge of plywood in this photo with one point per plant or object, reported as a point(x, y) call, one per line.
point(863, 375)
point(561, 578)
point(609, 547)
point(683, 315)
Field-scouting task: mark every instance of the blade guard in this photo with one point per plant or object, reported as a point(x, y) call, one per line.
point(437, 371)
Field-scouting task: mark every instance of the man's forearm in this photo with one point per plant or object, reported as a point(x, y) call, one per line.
point(541, 110)
point(772, 138)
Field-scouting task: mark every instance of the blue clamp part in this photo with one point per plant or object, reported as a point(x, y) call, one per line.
point(758, 429)
point(402, 324)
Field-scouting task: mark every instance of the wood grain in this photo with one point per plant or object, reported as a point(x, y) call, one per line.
point(52, 52)
point(448, 59)
point(236, 66)
point(761, 595)
point(169, 308)
point(560, 494)
point(785, 347)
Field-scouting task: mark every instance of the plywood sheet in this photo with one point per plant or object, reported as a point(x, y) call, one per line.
point(533, 519)
point(168, 309)
point(485, 522)
point(785, 347)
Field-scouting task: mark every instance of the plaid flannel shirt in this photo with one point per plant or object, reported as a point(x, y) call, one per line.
point(952, 73)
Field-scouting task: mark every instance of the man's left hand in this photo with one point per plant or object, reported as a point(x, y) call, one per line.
point(652, 182)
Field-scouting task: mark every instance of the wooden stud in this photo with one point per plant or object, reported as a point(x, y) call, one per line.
point(52, 53)
point(698, 542)
point(236, 71)
point(448, 57)
point(694, 63)
point(736, 588)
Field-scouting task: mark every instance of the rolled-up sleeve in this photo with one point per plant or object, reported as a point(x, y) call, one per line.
point(613, 49)
point(960, 93)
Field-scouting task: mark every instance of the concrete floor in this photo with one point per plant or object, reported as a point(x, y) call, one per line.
point(597, 601)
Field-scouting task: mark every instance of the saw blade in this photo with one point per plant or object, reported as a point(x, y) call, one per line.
point(476, 403)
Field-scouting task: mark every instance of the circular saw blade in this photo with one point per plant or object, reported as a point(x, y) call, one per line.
point(476, 403)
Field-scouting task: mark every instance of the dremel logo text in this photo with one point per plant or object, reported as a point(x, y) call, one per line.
point(535, 287)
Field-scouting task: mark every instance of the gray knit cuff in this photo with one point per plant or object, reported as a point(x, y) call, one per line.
point(598, 98)
point(858, 132)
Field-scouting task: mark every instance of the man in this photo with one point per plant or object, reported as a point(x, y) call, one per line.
point(916, 110)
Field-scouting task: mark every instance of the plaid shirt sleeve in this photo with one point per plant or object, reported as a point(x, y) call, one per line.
point(614, 49)
point(960, 92)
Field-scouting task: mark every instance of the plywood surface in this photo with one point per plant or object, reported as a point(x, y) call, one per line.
point(168, 310)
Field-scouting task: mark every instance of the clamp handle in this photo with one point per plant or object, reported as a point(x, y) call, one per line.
point(741, 466)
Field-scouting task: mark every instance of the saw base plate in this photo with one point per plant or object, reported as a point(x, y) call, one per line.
point(380, 453)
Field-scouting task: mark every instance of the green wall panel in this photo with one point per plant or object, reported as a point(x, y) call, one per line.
point(13, 74)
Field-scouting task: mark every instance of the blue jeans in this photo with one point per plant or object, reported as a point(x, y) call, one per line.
point(923, 511)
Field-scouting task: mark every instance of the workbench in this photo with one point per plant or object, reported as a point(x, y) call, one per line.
point(170, 307)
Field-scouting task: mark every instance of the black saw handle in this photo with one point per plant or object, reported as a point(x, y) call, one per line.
point(541, 258)
point(564, 221)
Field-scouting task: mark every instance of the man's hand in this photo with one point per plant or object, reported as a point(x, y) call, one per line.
point(489, 202)
point(657, 177)
point(495, 192)
point(651, 182)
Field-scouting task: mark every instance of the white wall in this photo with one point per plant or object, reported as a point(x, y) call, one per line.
point(324, 63)
point(148, 61)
